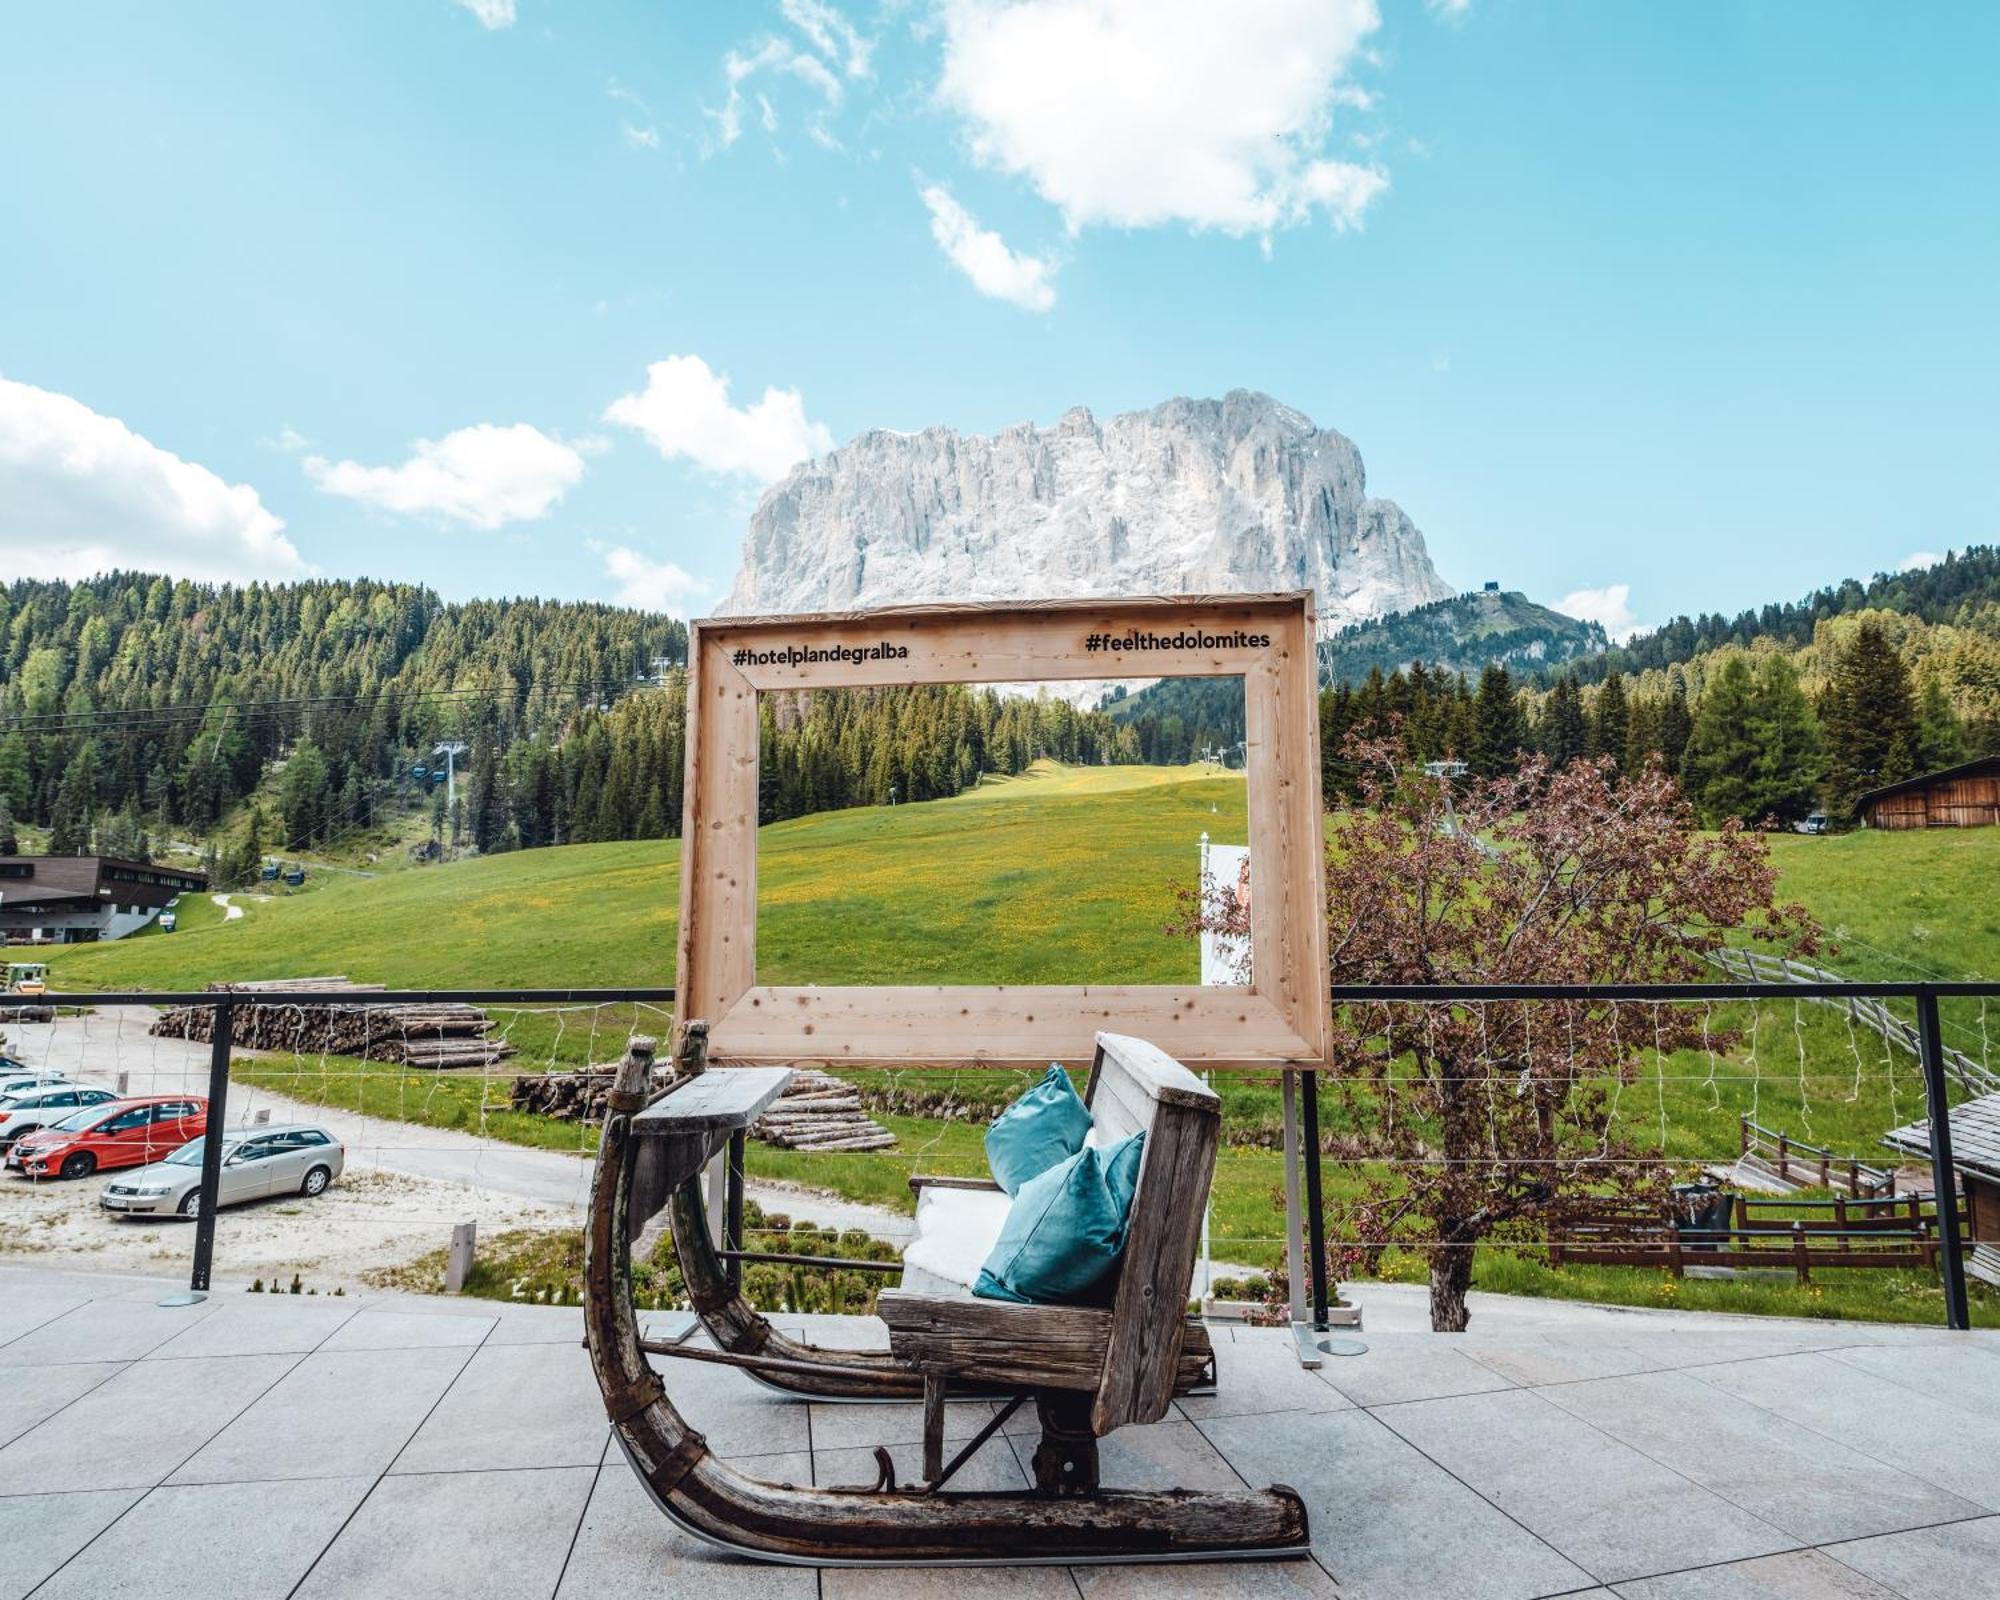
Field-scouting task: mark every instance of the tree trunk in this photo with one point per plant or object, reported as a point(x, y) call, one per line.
point(1451, 1277)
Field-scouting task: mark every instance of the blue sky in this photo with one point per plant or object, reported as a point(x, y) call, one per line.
point(1701, 300)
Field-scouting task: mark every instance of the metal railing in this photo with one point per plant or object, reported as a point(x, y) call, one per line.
point(1930, 1049)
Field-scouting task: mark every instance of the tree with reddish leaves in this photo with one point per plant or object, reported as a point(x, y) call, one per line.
point(1492, 1118)
point(1496, 1116)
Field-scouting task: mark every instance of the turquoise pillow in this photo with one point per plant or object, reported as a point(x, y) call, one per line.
point(1066, 1228)
point(1044, 1126)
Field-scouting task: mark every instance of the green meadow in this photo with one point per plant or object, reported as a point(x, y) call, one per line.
point(1065, 875)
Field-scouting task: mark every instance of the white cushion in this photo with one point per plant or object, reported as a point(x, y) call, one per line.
point(956, 1231)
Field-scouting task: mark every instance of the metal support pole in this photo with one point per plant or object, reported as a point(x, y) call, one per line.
point(211, 1155)
point(732, 1205)
point(1944, 1176)
point(1315, 1211)
point(1295, 1265)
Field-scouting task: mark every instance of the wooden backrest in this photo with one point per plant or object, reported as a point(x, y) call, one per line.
point(1136, 1085)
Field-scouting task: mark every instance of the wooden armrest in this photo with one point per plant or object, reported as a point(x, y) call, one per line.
point(924, 1180)
point(1001, 1342)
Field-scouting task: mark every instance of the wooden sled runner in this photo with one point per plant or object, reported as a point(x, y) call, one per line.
point(1087, 1370)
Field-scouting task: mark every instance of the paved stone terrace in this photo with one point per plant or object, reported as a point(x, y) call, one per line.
point(404, 1447)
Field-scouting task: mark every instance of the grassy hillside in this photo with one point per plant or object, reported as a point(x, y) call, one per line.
point(1058, 875)
point(1029, 879)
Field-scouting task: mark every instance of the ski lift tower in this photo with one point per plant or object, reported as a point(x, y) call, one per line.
point(451, 750)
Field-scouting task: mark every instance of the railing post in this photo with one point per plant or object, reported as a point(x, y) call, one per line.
point(1785, 1157)
point(211, 1154)
point(1315, 1214)
point(1944, 1177)
point(732, 1207)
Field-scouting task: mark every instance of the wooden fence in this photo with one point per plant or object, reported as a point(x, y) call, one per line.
point(1760, 966)
point(1841, 1232)
point(1793, 1161)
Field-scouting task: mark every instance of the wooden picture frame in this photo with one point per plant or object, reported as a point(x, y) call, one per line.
point(1283, 1018)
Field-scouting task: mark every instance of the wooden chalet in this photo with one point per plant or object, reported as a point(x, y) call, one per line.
point(1964, 796)
point(1975, 1154)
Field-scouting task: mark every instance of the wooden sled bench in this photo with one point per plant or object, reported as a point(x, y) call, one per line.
point(1091, 1369)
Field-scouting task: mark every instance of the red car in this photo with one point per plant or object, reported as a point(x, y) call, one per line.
point(125, 1133)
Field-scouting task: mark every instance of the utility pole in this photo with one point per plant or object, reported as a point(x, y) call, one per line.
point(451, 750)
point(661, 666)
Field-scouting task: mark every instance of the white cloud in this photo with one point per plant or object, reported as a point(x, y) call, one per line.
point(84, 494)
point(684, 409)
point(771, 55)
point(1451, 10)
point(485, 476)
point(831, 34)
point(1917, 560)
point(1610, 606)
point(982, 255)
point(647, 584)
point(491, 13)
point(1135, 113)
point(640, 138)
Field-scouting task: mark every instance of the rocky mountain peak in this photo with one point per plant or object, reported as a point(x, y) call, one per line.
point(1195, 495)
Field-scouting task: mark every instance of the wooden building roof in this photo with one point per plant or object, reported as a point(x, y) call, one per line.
point(1975, 1137)
point(1978, 766)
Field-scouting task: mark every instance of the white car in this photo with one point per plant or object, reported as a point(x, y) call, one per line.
point(24, 1112)
point(293, 1158)
point(15, 1080)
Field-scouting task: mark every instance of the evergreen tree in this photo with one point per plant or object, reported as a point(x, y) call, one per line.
point(488, 800)
point(1610, 719)
point(305, 799)
point(69, 819)
point(1720, 768)
point(1676, 723)
point(1791, 752)
point(1869, 718)
point(1497, 734)
point(1941, 740)
point(1562, 732)
point(10, 839)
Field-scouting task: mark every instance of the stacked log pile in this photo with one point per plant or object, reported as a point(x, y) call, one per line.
point(819, 1112)
point(816, 1112)
point(433, 1037)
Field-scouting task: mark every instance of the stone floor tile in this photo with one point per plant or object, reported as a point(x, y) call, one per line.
point(103, 1330)
point(132, 1430)
point(1613, 1511)
point(1960, 1375)
point(1161, 1455)
point(336, 1413)
point(457, 1536)
point(256, 1330)
point(39, 1532)
point(843, 1427)
point(538, 1325)
point(1392, 1373)
point(1796, 1575)
point(246, 1541)
point(1550, 1358)
point(24, 1307)
point(410, 1330)
point(956, 1583)
point(995, 1467)
point(513, 1406)
point(1298, 1579)
point(1388, 1524)
point(627, 1547)
point(738, 1416)
point(1960, 1561)
point(29, 1395)
point(1261, 1377)
point(1954, 1446)
point(1806, 1485)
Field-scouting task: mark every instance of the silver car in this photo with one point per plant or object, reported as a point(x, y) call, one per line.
point(292, 1158)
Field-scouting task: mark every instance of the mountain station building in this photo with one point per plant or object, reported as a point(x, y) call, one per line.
point(82, 899)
